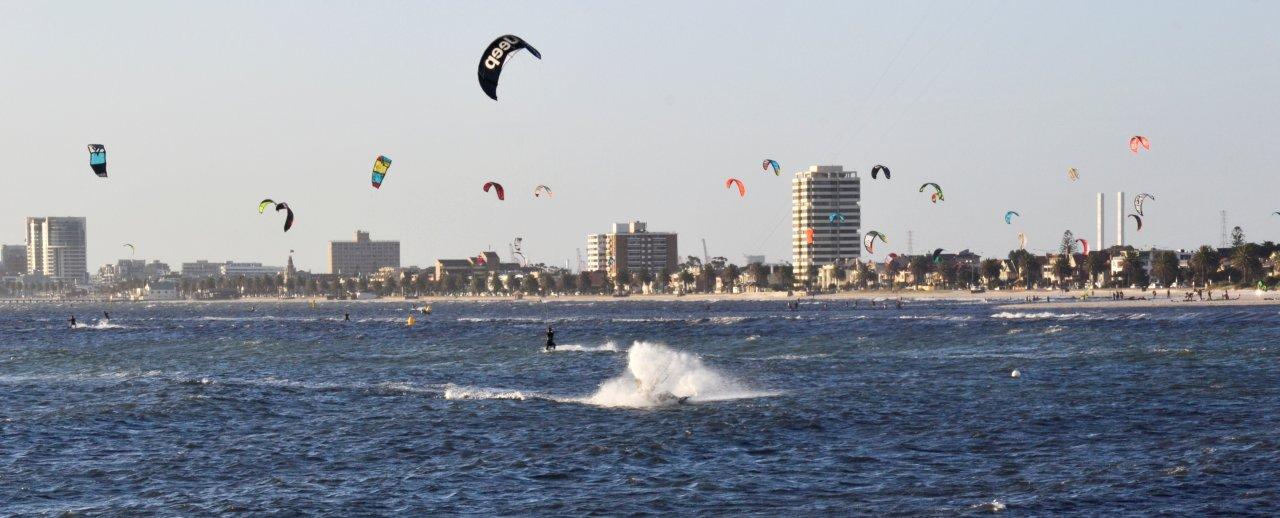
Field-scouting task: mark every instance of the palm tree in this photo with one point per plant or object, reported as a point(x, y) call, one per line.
point(890, 272)
point(686, 279)
point(1164, 267)
point(729, 275)
point(1131, 267)
point(1245, 258)
point(1097, 264)
point(918, 266)
point(990, 269)
point(1204, 262)
point(1062, 268)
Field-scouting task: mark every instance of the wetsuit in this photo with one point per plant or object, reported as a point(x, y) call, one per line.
point(551, 339)
point(73, 322)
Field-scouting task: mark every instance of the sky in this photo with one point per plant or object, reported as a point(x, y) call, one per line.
point(638, 110)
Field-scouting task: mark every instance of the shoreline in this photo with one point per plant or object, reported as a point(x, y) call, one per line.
point(1001, 299)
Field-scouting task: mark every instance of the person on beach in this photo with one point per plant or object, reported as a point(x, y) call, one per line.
point(551, 339)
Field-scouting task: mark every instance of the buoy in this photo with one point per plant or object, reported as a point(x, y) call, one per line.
point(410, 321)
point(1013, 374)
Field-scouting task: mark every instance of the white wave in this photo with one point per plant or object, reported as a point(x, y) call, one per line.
point(994, 506)
point(455, 392)
point(1043, 315)
point(605, 347)
point(945, 318)
point(658, 376)
point(792, 357)
point(101, 324)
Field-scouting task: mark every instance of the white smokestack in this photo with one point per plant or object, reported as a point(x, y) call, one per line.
point(1120, 218)
point(1098, 241)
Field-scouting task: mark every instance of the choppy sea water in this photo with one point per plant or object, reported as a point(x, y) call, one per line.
point(255, 408)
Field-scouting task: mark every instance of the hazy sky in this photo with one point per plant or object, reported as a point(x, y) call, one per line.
point(639, 110)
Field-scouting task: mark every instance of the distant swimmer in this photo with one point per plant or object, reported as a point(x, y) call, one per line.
point(73, 321)
point(551, 339)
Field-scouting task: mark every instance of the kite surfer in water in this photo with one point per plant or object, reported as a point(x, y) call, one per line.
point(551, 339)
point(73, 321)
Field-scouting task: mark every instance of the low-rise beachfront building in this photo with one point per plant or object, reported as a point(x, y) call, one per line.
point(230, 269)
point(487, 263)
point(158, 290)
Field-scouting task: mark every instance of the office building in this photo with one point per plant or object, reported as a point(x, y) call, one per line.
point(13, 259)
point(632, 247)
point(362, 256)
point(818, 236)
point(56, 248)
point(201, 269)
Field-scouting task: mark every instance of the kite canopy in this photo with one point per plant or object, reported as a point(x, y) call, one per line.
point(808, 236)
point(742, 189)
point(1008, 217)
point(769, 162)
point(495, 56)
point(879, 169)
point(288, 218)
point(1138, 219)
point(1137, 202)
point(834, 216)
point(937, 195)
point(1084, 245)
point(542, 189)
point(937, 256)
point(1022, 241)
point(869, 241)
point(1073, 174)
point(497, 188)
point(1139, 141)
point(98, 159)
point(132, 249)
point(380, 167)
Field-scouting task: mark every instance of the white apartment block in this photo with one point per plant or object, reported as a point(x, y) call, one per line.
point(817, 194)
point(56, 248)
point(362, 256)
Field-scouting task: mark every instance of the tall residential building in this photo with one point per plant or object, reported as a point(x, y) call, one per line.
point(13, 259)
point(817, 196)
point(632, 247)
point(362, 256)
point(56, 248)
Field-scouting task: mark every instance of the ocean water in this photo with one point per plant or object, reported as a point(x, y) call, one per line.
point(645, 408)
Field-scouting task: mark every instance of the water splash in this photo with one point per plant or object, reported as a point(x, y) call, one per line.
point(610, 347)
point(659, 376)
